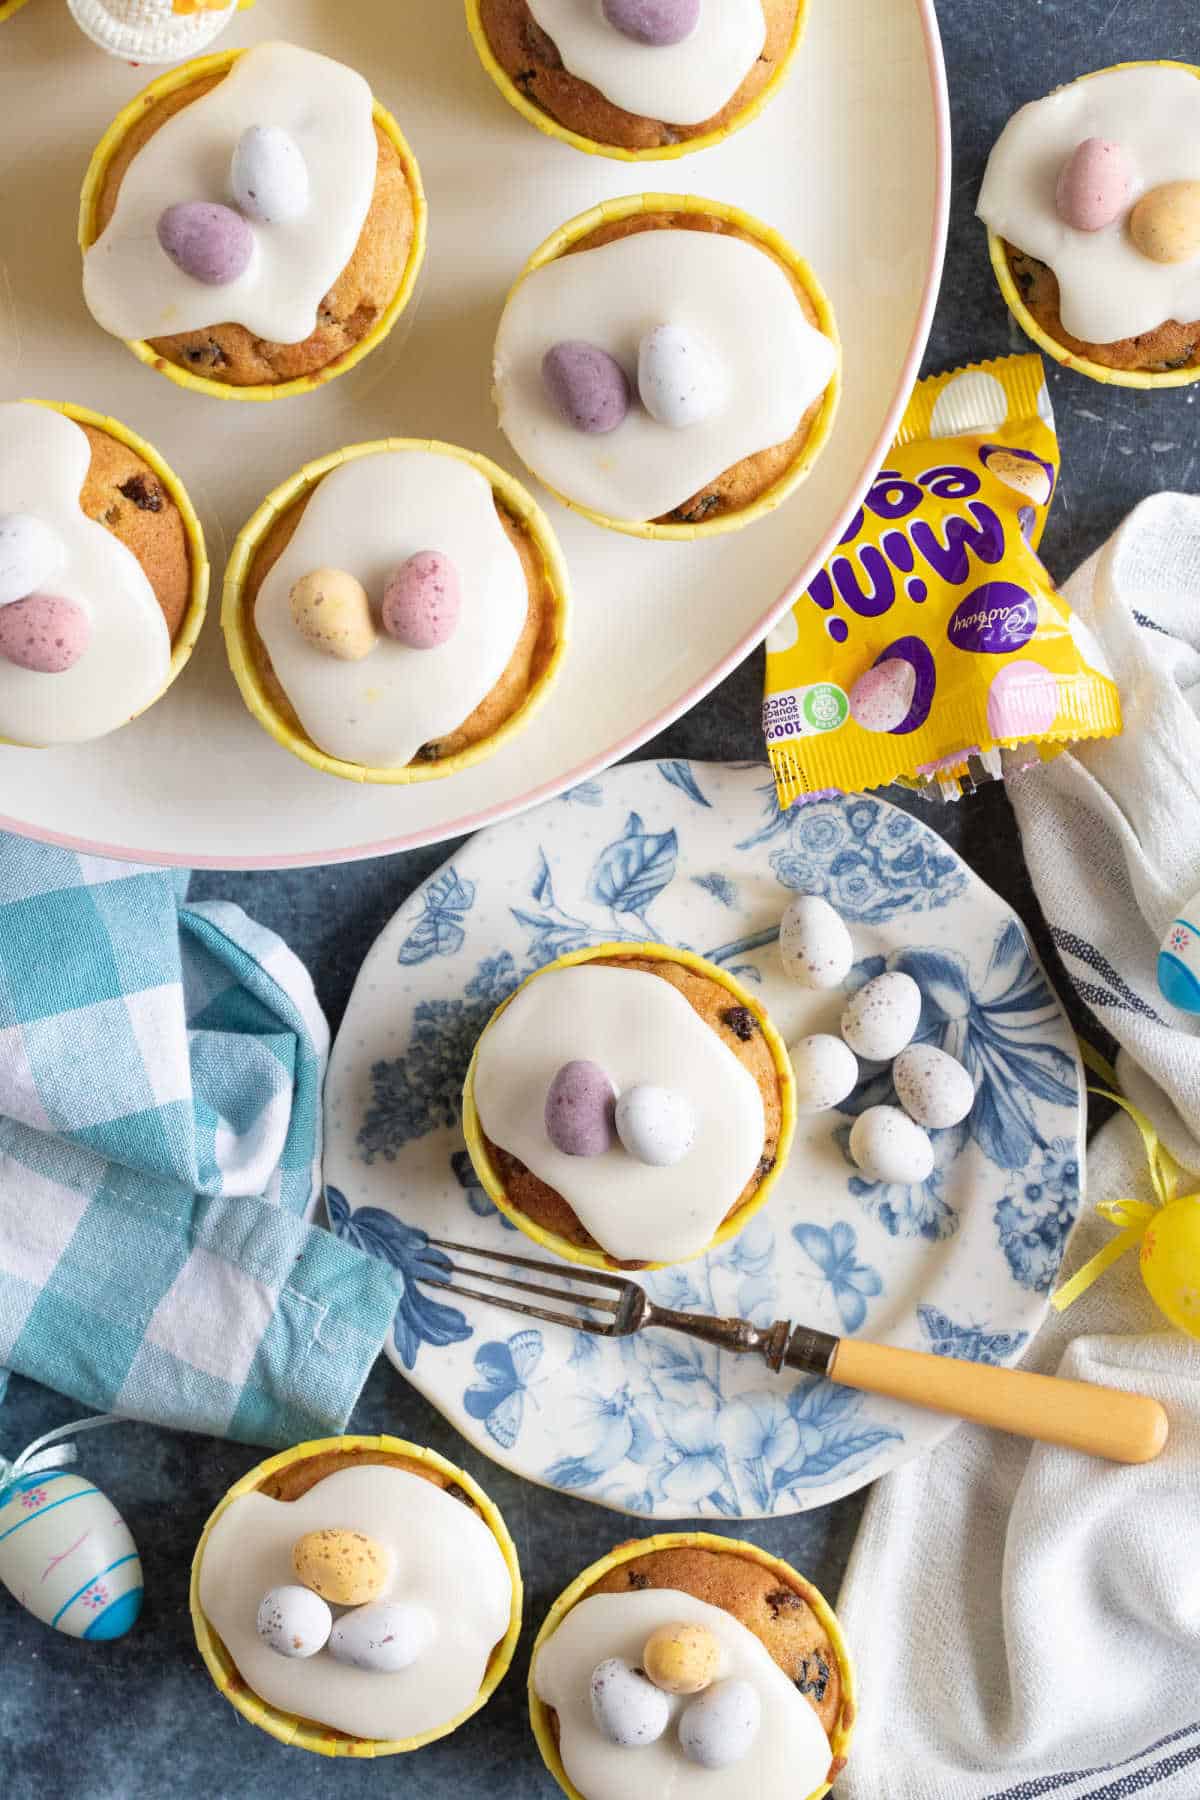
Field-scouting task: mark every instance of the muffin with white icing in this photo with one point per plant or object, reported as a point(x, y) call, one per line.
point(639, 80)
point(356, 1596)
point(103, 575)
point(1092, 202)
point(630, 1106)
point(718, 1664)
point(626, 379)
point(253, 223)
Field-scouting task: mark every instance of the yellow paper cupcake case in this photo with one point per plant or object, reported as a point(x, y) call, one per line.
point(490, 1177)
point(8, 8)
point(218, 64)
point(306, 1734)
point(238, 626)
point(660, 152)
point(1130, 378)
point(609, 211)
point(539, 1713)
point(193, 618)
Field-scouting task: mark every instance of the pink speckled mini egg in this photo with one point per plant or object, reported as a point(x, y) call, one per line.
point(1094, 184)
point(1023, 699)
point(44, 633)
point(882, 697)
point(422, 601)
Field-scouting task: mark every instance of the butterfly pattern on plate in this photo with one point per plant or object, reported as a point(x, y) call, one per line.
point(498, 1398)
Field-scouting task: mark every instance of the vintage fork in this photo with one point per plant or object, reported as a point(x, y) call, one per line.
point(1103, 1421)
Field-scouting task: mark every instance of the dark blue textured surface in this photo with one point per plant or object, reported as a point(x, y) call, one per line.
point(139, 1719)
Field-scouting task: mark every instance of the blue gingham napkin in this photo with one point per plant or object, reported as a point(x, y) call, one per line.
point(160, 1140)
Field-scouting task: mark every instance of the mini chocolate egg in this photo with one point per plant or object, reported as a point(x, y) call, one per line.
point(331, 612)
point(655, 22)
point(211, 243)
point(932, 1087)
point(1178, 959)
point(720, 1725)
point(1094, 184)
point(385, 1637)
point(881, 1017)
point(888, 1146)
point(628, 1709)
point(814, 945)
point(269, 175)
point(44, 633)
point(345, 1567)
point(681, 1659)
point(655, 1125)
point(882, 697)
point(67, 1556)
point(825, 1071)
point(293, 1621)
point(587, 385)
point(580, 1107)
point(422, 601)
point(30, 554)
point(679, 377)
point(1165, 223)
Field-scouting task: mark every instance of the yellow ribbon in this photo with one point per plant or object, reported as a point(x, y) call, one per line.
point(1131, 1217)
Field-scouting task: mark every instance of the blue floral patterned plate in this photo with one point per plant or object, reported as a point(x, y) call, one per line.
point(699, 855)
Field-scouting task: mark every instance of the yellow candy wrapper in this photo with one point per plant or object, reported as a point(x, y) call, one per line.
point(933, 638)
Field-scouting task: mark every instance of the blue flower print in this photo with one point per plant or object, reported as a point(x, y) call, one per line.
point(719, 886)
point(447, 899)
point(586, 793)
point(833, 1436)
point(835, 1253)
point(680, 775)
point(463, 1170)
point(905, 1212)
point(1034, 1218)
point(1060, 1166)
point(499, 1399)
point(695, 1466)
point(631, 872)
point(419, 1319)
point(971, 1342)
point(611, 1429)
point(764, 1437)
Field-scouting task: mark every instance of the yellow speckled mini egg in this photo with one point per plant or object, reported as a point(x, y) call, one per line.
point(331, 612)
point(681, 1659)
point(1165, 223)
point(1170, 1263)
point(347, 1568)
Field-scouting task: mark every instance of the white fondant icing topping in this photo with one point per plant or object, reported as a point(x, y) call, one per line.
point(682, 84)
point(639, 1029)
point(1108, 289)
point(443, 1557)
point(790, 1753)
point(134, 289)
point(44, 460)
point(706, 283)
point(367, 517)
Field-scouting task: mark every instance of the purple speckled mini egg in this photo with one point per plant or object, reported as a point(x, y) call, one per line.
point(588, 386)
point(44, 633)
point(580, 1106)
point(422, 601)
point(211, 243)
point(654, 22)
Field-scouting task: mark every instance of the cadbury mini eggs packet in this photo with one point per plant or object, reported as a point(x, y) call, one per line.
point(933, 638)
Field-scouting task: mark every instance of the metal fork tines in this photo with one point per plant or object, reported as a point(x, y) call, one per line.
point(627, 1312)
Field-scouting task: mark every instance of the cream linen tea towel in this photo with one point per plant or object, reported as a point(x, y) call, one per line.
point(1027, 1621)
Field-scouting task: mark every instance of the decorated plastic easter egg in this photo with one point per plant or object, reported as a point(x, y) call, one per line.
point(720, 1725)
point(211, 243)
point(882, 1016)
point(345, 1567)
point(681, 1659)
point(1165, 223)
point(814, 945)
point(331, 612)
point(882, 697)
point(269, 175)
point(422, 601)
point(1179, 958)
point(1094, 184)
point(825, 1070)
point(385, 1637)
point(628, 1709)
point(889, 1146)
point(44, 633)
point(30, 555)
point(580, 1105)
point(67, 1556)
point(587, 385)
point(294, 1622)
point(680, 378)
point(655, 1125)
point(1170, 1263)
point(655, 22)
point(933, 1088)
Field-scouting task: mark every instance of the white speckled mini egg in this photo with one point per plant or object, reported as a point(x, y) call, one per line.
point(889, 1146)
point(270, 176)
point(66, 1554)
point(655, 1125)
point(30, 555)
point(293, 1621)
point(933, 1088)
point(879, 1020)
point(386, 1636)
point(814, 945)
point(627, 1707)
point(825, 1070)
point(680, 378)
point(720, 1725)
